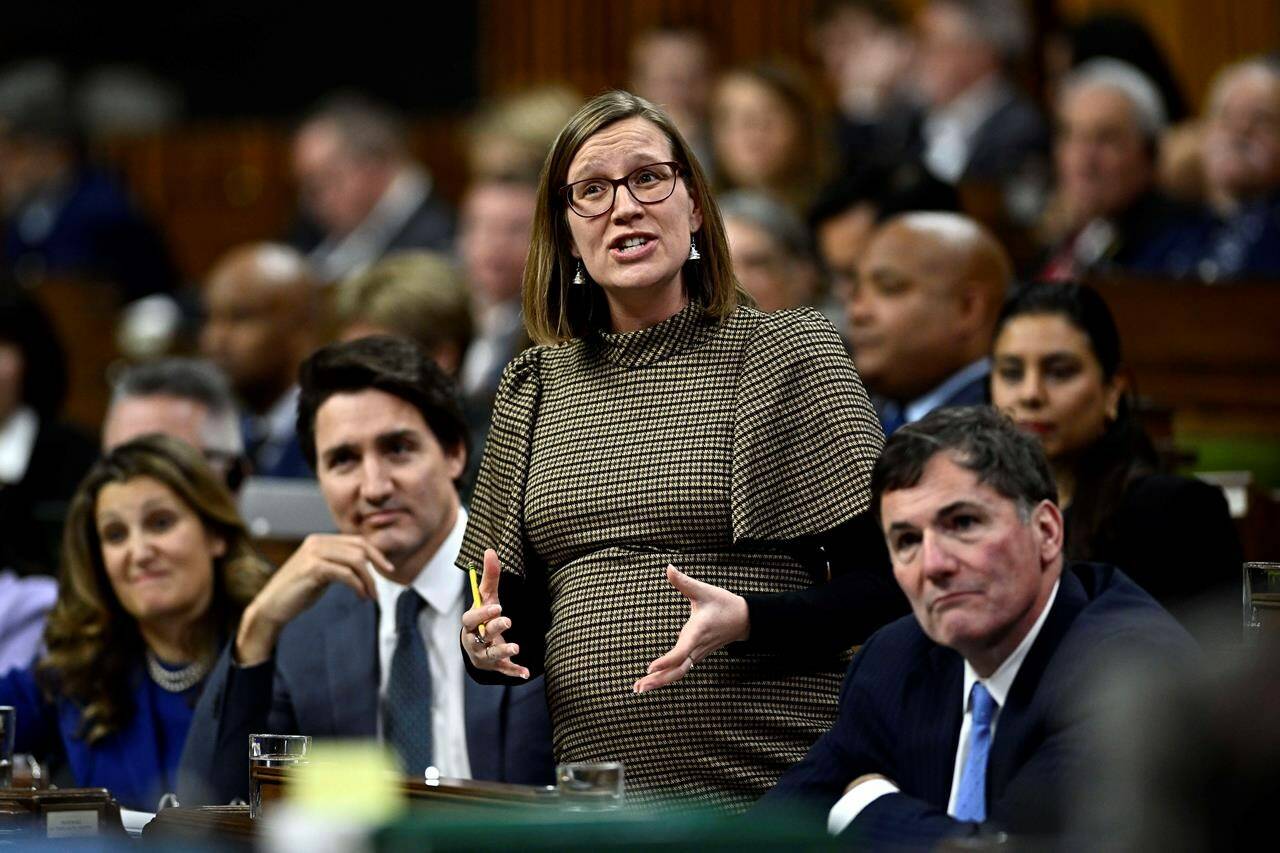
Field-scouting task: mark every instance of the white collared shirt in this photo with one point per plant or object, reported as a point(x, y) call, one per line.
point(335, 259)
point(949, 130)
point(998, 684)
point(17, 438)
point(922, 406)
point(444, 590)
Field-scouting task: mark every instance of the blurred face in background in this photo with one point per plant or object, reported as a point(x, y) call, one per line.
point(754, 133)
point(1046, 377)
point(496, 221)
point(338, 186)
point(1102, 156)
point(1242, 135)
point(842, 240)
point(11, 369)
point(774, 278)
point(672, 69)
point(902, 313)
point(949, 56)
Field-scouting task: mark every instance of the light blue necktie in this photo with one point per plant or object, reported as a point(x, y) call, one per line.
point(971, 802)
point(407, 717)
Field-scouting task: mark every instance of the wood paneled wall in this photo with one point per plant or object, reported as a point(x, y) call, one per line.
point(584, 42)
point(1199, 36)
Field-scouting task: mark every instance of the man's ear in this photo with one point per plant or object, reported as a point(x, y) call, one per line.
point(1047, 521)
point(455, 459)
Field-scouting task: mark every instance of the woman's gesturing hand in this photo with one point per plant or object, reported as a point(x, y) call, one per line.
point(717, 618)
point(490, 652)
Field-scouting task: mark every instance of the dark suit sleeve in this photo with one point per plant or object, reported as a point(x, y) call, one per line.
point(850, 749)
point(236, 702)
point(860, 598)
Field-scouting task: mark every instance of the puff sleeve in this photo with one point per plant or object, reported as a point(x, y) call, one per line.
point(805, 436)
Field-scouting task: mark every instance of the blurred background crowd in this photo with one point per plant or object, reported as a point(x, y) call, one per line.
point(248, 188)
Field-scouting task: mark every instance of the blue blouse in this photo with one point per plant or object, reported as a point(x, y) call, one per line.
point(138, 763)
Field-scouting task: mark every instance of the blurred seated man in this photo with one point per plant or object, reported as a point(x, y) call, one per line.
point(62, 216)
point(922, 311)
point(416, 295)
point(672, 67)
point(973, 715)
point(362, 195)
point(356, 635)
point(1107, 212)
point(976, 125)
point(186, 398)
point(847, 211)
point(770, 251)
point(1239, 235)
point(42, 457)
point(261, 312)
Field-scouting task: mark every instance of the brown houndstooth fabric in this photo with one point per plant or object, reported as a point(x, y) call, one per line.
point(691, 443)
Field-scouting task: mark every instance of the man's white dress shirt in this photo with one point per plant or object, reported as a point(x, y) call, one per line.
point(444, 590)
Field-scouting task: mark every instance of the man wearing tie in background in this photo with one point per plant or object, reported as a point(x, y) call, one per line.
point(972, 715)
point(356, 634)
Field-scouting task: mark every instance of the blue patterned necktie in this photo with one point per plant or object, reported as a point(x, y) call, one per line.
point(407, 714)
point(971, 802)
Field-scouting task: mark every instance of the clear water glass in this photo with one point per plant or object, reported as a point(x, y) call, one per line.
point(590, 785)
point(267, 750)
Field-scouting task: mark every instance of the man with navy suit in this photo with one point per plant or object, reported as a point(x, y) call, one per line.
point(971, 716)
point(921, 312)
point(356, 635)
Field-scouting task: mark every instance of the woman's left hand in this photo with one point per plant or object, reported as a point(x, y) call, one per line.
point(717, 618)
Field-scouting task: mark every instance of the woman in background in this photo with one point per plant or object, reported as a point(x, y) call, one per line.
point(1056, 372)
point(156, 570)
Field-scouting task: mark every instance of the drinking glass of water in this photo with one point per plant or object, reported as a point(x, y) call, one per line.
point(273, 751)
point(8, 718)
point(590, 786)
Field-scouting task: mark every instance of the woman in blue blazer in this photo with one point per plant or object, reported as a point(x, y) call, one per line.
point(156, 570)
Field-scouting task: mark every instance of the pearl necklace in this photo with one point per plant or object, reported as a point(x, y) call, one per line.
point(177, 680)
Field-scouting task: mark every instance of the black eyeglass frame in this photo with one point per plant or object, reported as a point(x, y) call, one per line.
point(566, 191)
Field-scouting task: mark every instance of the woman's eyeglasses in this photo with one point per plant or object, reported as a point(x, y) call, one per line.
point(648, 185)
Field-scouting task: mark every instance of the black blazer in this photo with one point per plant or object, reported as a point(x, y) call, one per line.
point(1174, 536)
point(901, 710)
point(323, 682)
point(32, 511)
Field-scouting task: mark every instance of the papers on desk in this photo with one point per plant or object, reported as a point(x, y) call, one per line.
point(134, 821)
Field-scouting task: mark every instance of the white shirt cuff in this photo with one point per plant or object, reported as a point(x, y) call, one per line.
point(848, 807)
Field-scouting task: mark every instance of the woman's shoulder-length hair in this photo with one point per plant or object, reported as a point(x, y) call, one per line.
point(556, 309)
point(92, 644)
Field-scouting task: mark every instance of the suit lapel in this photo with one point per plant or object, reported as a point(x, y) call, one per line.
point(1014, 727)
point(351, 655)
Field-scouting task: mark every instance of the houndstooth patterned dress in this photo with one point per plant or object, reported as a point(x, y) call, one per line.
point(695, 443)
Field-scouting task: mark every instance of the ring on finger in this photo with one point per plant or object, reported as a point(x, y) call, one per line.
point(478, 640)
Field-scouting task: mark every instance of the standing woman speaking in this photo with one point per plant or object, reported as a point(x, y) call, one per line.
point(659, 424)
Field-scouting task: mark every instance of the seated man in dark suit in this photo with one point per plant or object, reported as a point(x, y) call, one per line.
point(356, 635)
point(363, 195)
point(970, 716)
point(921, 313)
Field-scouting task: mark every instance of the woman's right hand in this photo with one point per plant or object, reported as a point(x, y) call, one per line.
point(490, 652)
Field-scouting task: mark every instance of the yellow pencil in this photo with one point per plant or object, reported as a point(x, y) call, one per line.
point(475, 592)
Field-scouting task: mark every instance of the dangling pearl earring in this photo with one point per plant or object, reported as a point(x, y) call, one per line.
point(694, 255)
point(578, 277)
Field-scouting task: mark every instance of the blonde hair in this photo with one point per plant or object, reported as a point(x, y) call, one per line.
point(93, 644)
point(556, 309)
point(417, 295)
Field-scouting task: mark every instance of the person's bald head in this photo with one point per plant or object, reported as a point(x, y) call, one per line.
point(261, 306)
point(925, 302)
